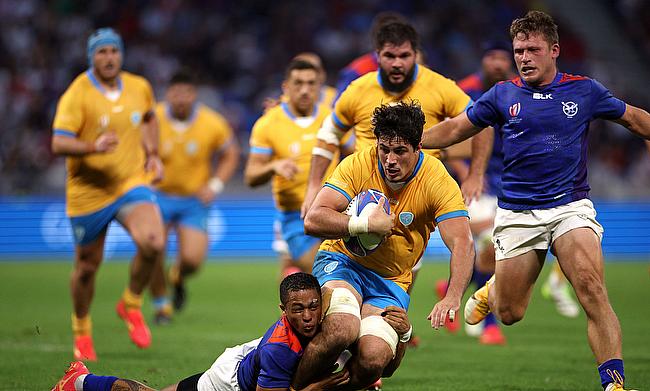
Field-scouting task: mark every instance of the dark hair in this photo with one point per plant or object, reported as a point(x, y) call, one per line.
point(396, 33)
point(403, 121)
point(297, 282)
point(183, 76)
point(384, 18)
point(298, 65)
point(535, 22)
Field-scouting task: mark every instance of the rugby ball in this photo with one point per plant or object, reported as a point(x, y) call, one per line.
point(362, 205)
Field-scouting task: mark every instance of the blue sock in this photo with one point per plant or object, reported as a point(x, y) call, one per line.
point(99, 383)
point(160, 302)
point(611, 371)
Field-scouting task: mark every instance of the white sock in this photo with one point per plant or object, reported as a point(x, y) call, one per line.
point(79, 382)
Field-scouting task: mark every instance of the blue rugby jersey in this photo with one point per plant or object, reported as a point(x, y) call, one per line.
point(544, 134)
point(473, 86)
point(273, 363)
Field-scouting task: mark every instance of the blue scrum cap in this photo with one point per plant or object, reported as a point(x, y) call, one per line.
point(103, 37)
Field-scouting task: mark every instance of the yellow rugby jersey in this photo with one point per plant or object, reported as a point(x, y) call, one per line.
point(96, 180)
point(439, 97)
point(278, 134)
point(430, 196)
point(327, 95)
point(186, 148)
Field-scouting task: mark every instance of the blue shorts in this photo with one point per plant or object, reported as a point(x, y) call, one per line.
point(88, 227)
point(293, 232)
point(184, 210)
point(373, 288)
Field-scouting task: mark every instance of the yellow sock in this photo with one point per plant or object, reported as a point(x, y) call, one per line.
point(81, 326)
point(131, 300)
point(174, 275)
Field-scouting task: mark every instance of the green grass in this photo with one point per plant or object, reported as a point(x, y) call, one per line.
point(234, 302)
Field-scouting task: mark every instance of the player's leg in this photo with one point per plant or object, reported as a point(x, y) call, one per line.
point(78, 378)
point(281, 248)
point(580, 257)
point(557, 288)
point(158, 287)
point(340, 326)
point(302, 248)
point(192, 251)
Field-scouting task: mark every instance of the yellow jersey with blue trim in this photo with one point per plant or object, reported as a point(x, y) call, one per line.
point(429, 196)
point(439, 97)
point(187, 147)
point(85, 111)
point(281, 135)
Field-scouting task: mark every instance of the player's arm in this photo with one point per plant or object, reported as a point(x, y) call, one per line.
point(456, 235)
point(150, 137)
point(327, 383)
point(261, 167)
point(636, 120)
point(398, 319)
point(326, 220)
point(227, 163)
point(472, 186)
point(448, 132)
point(67, 144)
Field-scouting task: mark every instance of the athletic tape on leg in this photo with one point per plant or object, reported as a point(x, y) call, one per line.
point(343, 301)
point(378, 327)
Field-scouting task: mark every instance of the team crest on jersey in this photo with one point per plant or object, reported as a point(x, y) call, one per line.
point(191, 148)
point(294, 148)
point(330, 267)
point(515, 109)
point(104, 120)
point(406, 218)
point(570, 109)
point(136, 117)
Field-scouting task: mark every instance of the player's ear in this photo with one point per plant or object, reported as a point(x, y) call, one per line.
point(282, 307)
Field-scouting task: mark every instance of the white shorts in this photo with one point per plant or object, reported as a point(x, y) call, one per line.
point(222, 375)
point(518, 231)
point(482, 209)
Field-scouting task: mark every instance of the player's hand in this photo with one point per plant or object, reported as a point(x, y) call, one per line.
point(396, 317)
point(286, 168)
point(155, 165)
point(310, 196)
point(206, 196)
point(379, 222)
point(446, 307)
point(472, 187)
point(106, 142)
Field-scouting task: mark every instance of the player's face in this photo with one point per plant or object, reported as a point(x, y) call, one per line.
point(396, 65)
point(303, 310)
point(302, 88)
point(181, 98)
point(397, 157)
point(535, 59)
point(107, 62)
point(497, 65)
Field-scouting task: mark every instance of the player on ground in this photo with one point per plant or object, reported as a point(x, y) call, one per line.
point(266, 363)
point(106, 128)
point(358, 289)
point(281, 145)
point(191, 135)
point(543, 119)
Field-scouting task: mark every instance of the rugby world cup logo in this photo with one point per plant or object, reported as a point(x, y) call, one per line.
point(570, 109)
point(515, 109)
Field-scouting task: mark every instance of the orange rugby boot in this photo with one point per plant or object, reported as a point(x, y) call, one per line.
point(138, 329)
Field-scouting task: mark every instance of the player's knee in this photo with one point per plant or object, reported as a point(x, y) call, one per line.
point(510, 315)
point(370, 367)
point(151, 245)
point(343, 311)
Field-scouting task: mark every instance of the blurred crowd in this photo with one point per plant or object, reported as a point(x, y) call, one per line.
point(239, 49)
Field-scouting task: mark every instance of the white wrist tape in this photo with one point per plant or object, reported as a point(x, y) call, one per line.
point(358, 225)
point(216, 185)
point(322, 152)
point(329, 132)
point(406, 336)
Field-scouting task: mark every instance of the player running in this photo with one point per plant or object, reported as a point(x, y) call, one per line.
point(106, 128)
point(543, 118)
point(191, 136)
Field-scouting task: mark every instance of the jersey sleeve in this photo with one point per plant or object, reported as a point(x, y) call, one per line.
point(223, 134)
point(277, 366)
point(343, 113)
point(150, 100)
point(483, 112)
point(456, 100)
point(447, 199)
point(605, 105)
point(343, 177)
point(68, 119)
point(259, 141)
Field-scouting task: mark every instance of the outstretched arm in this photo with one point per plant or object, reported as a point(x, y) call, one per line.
point(636, 120)
point(472, 185)
point(449, 132)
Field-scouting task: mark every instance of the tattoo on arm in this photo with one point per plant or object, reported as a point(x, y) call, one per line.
point(129, 385)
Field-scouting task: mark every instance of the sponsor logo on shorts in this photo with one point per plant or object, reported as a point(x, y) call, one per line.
point(406, 218)
point(499, 246)
point(79, 232)
point(330, 267)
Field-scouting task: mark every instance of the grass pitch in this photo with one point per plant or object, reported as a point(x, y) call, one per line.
point(234, 302)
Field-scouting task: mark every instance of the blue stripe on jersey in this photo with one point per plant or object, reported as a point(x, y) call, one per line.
point(451, 215)
point(331, 186)
point(338, 122)
point(97, 85)
point(469, 104)
point(261, 150)
point(63, 132)
point(287, 111)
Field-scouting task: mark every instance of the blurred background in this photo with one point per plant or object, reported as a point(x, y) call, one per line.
point(239, 50)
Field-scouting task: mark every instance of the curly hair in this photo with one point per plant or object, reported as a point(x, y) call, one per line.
point(402, 120)
point(535, 22)
point(396, 33)
point(297, 282)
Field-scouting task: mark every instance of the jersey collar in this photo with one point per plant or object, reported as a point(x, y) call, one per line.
point(413, 174)
point(189, 120)
point(98, 85)
point(287, 111)
point(556, 79)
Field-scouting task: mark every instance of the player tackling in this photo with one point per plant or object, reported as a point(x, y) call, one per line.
point(542, 119)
